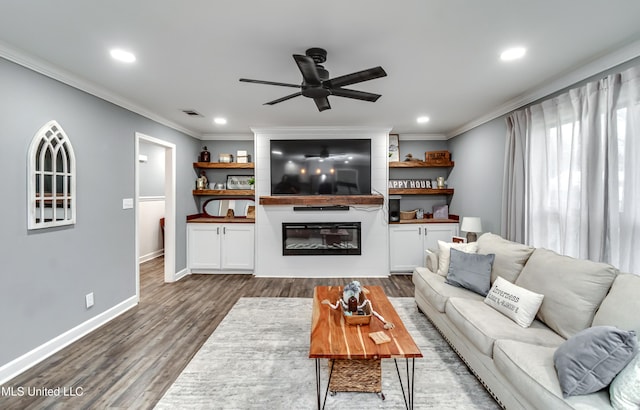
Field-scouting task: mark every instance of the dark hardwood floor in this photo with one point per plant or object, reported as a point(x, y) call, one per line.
point(131, 361)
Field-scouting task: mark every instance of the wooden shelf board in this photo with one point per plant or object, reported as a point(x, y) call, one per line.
point(322, 200)
point(425, 221)
point(223, 165)
point(420, 191)
point(418, 164)
point(224, 192)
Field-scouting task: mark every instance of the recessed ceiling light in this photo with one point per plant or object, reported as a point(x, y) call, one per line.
point(220, 120)
point(422, 120)
point(123, 55)
point(513, 53)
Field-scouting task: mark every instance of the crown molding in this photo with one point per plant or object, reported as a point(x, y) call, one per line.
point(227, 137)
point(556, 83)
point(421, 137)
point(68, 78)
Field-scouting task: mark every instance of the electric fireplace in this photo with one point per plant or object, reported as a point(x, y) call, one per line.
point(324, 238)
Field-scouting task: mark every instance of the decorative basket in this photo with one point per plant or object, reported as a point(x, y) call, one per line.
point(408, 214)
point(357, 375)
point(355, 320)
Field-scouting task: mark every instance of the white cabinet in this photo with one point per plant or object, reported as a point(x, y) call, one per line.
point(214, 248)
point(408, 243)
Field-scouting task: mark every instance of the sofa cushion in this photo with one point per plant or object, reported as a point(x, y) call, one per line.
point(529, 369)
point(516, 303)
point(589, 360)
point(510, 256)
point(483, 325)
point(621, 305)
point(470, 271)
point(444, 255)
point(625, 388)
point(433, 288)
point(572, 288)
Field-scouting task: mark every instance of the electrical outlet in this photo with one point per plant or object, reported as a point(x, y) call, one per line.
point(89, 300)
point(127, 203)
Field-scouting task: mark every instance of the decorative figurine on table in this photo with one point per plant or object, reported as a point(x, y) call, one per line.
point(354, 303)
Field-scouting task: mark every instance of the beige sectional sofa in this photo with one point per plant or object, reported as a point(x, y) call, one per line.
point(514, 363)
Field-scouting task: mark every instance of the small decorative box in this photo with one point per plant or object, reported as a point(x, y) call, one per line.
point(437, 157)
point(227, 158)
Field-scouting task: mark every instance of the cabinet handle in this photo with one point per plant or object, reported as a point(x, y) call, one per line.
point(419, 230)
point(218, 230)
point(224, 230)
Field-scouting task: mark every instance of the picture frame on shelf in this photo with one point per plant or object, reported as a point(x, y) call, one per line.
point(458, 239)
point(239, 181)
point(394, 148)
point(441, 212)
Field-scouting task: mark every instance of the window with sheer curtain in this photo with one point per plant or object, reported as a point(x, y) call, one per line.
point(572, 172)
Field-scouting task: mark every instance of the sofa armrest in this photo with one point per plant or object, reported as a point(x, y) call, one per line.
point(431, 261)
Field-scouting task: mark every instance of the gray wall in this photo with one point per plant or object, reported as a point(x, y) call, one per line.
point(151, 178)
point(477, 175)
point(45, 274)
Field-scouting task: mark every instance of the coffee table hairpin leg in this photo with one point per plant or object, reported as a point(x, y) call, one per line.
point(408, 397)
point(318, 384)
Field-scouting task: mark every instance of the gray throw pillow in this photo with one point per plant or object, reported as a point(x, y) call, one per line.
point(589, 360)
point(470, 271)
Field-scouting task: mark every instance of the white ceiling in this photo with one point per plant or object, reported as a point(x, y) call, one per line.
point(442, 57)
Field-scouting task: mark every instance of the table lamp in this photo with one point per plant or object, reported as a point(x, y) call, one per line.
point(471, 225)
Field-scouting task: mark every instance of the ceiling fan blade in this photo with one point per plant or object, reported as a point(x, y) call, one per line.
point(360, 76)
point(358, 95)
point(285, 98)
point(322, 103)
point(308, 69)
point(246, 80)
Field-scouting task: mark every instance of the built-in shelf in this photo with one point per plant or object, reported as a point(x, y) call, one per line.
point(223, 165)
point(418, 164)
point(224, 192)
point(420, 191)
point(322, 200)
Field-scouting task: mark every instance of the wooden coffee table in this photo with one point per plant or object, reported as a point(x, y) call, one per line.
point(351, 352)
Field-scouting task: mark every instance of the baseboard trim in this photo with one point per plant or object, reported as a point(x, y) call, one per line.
point(181, 274)
point(151, 255)
point(35, 356)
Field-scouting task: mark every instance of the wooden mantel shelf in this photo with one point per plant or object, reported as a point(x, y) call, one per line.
point(322, 200)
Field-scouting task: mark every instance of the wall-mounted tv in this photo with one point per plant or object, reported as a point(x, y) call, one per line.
point(321, 167)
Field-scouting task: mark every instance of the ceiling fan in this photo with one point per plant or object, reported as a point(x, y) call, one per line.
point(316, 83)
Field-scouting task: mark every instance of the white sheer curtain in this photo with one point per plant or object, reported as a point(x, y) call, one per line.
point(581, 172)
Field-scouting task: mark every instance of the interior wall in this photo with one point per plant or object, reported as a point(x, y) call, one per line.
point(46, 273)
point(477, 175)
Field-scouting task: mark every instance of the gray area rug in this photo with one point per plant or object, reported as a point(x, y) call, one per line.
point(257, 358)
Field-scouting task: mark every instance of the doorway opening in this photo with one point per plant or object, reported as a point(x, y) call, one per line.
point(165, 191)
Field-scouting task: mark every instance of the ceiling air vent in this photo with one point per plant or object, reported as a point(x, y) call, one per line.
point(192, 113)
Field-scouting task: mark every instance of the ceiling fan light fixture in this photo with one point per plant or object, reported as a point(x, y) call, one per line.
point(422, 119)
point(513, 53)
point(122, 55)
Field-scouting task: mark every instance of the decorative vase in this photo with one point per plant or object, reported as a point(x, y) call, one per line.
point(205, 156)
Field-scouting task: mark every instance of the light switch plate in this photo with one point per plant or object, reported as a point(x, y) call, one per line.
point(127, 203)
point(89, 300)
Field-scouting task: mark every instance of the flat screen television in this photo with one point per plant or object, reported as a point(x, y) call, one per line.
point(321, 167)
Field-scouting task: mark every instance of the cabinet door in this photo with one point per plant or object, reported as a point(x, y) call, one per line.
point(439, 232)
point(406, 247)
point(238, 246)
point(203, 246)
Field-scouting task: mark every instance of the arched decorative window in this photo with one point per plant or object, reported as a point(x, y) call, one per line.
point(52, 178)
